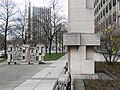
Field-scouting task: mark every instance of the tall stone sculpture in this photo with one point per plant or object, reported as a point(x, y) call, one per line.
point(81, 38)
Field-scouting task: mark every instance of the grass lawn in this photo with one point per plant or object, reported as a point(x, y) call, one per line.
point(2, 60)
point(99, 84)
point(54, 56)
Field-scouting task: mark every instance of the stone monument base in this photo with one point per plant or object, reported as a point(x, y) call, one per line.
point(84, 76)
point(80, 78)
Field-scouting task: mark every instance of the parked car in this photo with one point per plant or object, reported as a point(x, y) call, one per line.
point(1, 53)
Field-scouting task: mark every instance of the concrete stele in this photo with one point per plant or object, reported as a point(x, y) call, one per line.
point(81, 38)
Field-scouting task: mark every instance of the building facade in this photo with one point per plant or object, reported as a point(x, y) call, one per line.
point(39, 16)
point(107, 13)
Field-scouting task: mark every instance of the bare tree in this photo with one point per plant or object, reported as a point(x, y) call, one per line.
point(7, 11)
point(60, 33)
point(52, 24)
point(20, 26)
point(110, 44)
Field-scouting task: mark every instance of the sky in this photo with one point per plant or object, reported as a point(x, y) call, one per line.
point(63, 3)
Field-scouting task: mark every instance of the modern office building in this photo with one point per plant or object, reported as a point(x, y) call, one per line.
point(107, 13)
point(39, 16)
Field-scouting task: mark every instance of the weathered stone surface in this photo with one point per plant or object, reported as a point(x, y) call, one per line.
point(90, 39)
point(71, 39)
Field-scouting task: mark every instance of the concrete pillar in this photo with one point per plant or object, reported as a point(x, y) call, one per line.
point(40, 52)
point(10, 50)
point(81, 39)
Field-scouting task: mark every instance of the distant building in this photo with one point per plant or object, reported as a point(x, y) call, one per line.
point(39, 16)
point(27, 23)
point(106, 12)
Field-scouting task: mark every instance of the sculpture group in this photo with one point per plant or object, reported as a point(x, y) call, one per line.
point(25, 54)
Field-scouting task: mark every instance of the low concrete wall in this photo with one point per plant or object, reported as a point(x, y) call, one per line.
point(98, 57)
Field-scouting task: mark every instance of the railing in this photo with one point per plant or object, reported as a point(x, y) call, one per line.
point(63, 84)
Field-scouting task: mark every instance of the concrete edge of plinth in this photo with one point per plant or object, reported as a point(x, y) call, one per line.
point(85, 76)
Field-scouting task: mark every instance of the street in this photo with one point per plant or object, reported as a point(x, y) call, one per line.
point(13, 75)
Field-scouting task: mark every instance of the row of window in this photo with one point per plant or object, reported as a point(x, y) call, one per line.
point(105, 10)
point(96, 2)
point(105, 23)
point(109, 6)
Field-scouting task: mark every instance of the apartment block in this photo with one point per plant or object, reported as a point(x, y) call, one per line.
point(40, 15)
point(106, 13)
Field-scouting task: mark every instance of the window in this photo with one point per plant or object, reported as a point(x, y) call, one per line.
point(103, 12)
point(97, 9)
point(36, 51)
point(101, 15)
point(10, 57)
point(107, 9)
point(23, 51)
point(94, 4)
point(95, 12)
point(99, 6)
point(38, 48)
point(37, 58)
point(23, 57)
point(97, 0)
point(110, 5)
point(11, 49)
point(114, 16)
point(103, 1)
point(114, 2)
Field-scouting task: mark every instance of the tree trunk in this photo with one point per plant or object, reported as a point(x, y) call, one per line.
point(23, 39)
point(62, 43)
point(46, 47)
point(56, 43)
point(62, 46)
point(5, 41)
point(50, 45)
point(59, 47)
point(6, 28)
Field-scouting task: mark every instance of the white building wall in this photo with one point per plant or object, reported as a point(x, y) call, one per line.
point(80, 17)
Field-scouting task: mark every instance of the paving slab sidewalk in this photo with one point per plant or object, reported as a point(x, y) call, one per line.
point(45, 79)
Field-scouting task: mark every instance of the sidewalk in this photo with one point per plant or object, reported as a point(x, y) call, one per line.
point(45, 79)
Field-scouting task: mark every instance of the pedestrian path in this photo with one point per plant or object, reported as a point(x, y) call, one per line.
point(45, 79)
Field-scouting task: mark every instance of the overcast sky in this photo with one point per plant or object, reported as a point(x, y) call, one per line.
point(40, 3)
